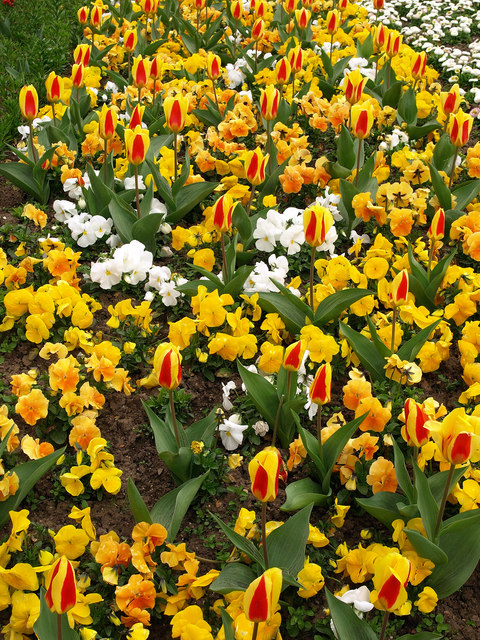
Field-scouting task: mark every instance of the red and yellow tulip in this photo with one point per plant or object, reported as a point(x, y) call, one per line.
point(390, 578)
point(261, 597)
point(255, 165)
point(28, 100)
point(61, 595)
point(264, 470)
point(167, 361)
point(321, 387)
point(137, 142)
point(175, 109)
point(317, 221)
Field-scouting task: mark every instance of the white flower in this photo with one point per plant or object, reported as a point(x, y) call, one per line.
point(360, 598)
point(157, 207)
point(64, 209)
point(72, 188)
point(231, 432)
point(157, 276)
point(107, 274)
point(129, 182)
point(293, 238)
point(266, 235)
point(169, 294)
point(226, 389)
point(260, 427)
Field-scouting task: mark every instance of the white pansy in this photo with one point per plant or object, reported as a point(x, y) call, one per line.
point(231, 432)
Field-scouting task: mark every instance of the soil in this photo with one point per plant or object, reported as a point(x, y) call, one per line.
point(121, 423)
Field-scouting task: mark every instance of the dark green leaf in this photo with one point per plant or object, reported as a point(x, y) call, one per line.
point(382, 506)
point(443, 153)
point(409, 349)
point(441, 190)
point(302, 493)
point(190, 195)
point(365, 351)
point(427, 504)
point(345, 151)
point(331, 307)
point(234, 576)
point(425, 548)
point(407, 106)
point(286, 544)
point(241, 543)
point(45, 627)
point(347, 625)
point(137, 505)
point(261, 393)
point(402, 474)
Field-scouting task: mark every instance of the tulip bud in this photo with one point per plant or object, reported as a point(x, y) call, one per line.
point(302, 16)
point(214, 67)
point(255, 165)
point(321, 387)
point(460, 128)
point(175, 109)
point(78, 74)
point(54, 87)
point(156, 68)
point(264, 471)
point(283, 71)
point(333, 21)
point(414, 431)
point(81, 54)
point(83, 14)
point(295, 57)
point(361, 120)
point(258, 29)
point(96, 16)
point(140, 72)
point(269, 101)
point(381, 35)
point(200, 4)
point(130, 39)
point(290, 5)
point(342, 5)
point(437, 228)
point(391, 573)
point(394, 41)
point(353, 86)
point(378, 4)
point(293, 356)
point(28, 100)
point(399, 289)
point(107, 122)
point(61, 595)
point(222, 213)
point(457, 437)
point(451, 100)
point(317, 221)
point(419, 65)
point(167, 361)
point(136, 117)
point(137, 142)
point(237, 10)
point(261, 597)
point(149, 6)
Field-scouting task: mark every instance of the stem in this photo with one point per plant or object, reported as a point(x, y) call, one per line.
point(137, 194)
point(34, 151)
point(93, 44)
point(389, 77)
point(174, 418)
point(53, 114)
point(377, 57)
point(264, 533)
point(129, 63)
point(331, 48)
point(277, 420)
point(312, 269)
point(154, 93)
point(249, 205)
point(255, 631)
point(289, 383)
point(319, 430)
point(207, 560)
point(430, 257)
point(105, 163)
point(224, 259)
point(444, 501)
point(215, 95)
point(198, 20)
point(384, 625)
point(256, 55)
point(175, 154)
point(139, 95)
point(452, 173)
point(59, 626)
point(394, 322)
point(269, 145)
point(360, 143)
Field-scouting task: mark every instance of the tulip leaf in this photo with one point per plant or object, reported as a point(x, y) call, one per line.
point(270, 184)
point(333, 447)
point(45, 627)
point(235, 284)
point(227, 624)
point(172, 507)
point(123, 217)
point(365, 48)
point(347, 625)
point(188, 198)
point(146, 203)
point(242, 223)
point(293, 318)
point(438, 480)
point(459, 539)
point(286, 544)
point(425, 548)
point(366, 352)
point(242, 544)
point(443, 153)
point(164, 438)
point(310, 442)
point(347, 192)
point(144, 230)
point(339, 67)
point(427, 504)
point(402, 474)
point(392, 95)
point(234, 576)
point(415, 132)
point(21, 176)
point(163, 188)
point(383, 506)
point(303, 492)
point(263, 394)
point(407, 106)
point(345, 151)
point(203, 429)
point(417, 270)
point(409, 349)
point(441, 190)
point(190, 288)
point(380, 346)
point(332, 306)
point(179, 463)
point(182, 178)
point(137, 505)
point(466, 192)
point(423, 635)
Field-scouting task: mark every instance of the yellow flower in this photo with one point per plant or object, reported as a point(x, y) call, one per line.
point(402, 371)
point(71, 542)
point(25, 611)
point(234, 460)
point(311, 579)
point(427, 600)
point(21, 576)
point(197, 446)
point(203, 258)
point(339, 518)
point(32, 406)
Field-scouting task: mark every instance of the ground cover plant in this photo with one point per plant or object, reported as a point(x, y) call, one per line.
point(239, 345)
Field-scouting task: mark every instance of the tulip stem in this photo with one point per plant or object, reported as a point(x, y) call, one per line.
point(59, 626)
point(331, 48)
point(277, 420)
point(264, 533)
point(255, 631)
point(444, 501)
point(105, 141)
point(394, 322)
point(129, 63)
point(53, 114)
point(269, 145)
point(249, 205)
point(319, 430)
point(359, 153)
point(224, 259)
point(175, 153)
point(312, 269)
point(454, 163)
point(137, 193)
point(34, 151)
point(256, 55)
point(384, 625)
point(215, 95)
point(174, 418)
point(430, 257)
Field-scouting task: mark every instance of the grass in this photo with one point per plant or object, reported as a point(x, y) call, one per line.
point(36, 38)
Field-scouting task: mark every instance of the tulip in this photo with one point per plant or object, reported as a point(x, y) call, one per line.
point(54, 87)
point(82, 15)
point(317, 221)
point(61, 595)
point(78, 74)
point(437, 227)
point(149, 6)
point(264, 471)
point(167, 362)
point(259, 9)
point(255, 163)
point(295, 57)
point(96, 16)
point(222, 213)
point(136, 117)
point(451, 100)
point(399, 289)
point(130, 40)
point(28, 100)
point(390, 578)
point(237, 10)
point(457, 437)
point(333, 21)
point(320, 389)
point(258, 29)
point(269, 101)
point(107, 122)
point(353, 86)
point(175, 108)
point(140, 73)
point(302, 16)
point(342, 4)
point(81, 54)
point(380, 37)
point(419, 65)
point(214, 71)
point(378, 4)
point(261, 596)
point(293, 356)
point(415, 433)
point(137, 142)
point(361, 120)
point(290, 5)
point(460, 128)
point(394, 41)
point(283, 70)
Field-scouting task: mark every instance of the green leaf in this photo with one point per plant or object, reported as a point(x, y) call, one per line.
point(234, 576)
point(172, 507)
point(402, 474)
point(365, 351)
point(182, 178)
point(242, 222)
point(302, 493)
point(331, 307)
point(409, 349)
point(441, 190)
point(291, 309)
point(333, 447)
point(443, 153)
point(380, 346)
point(235, 285)
point(46, 625)
point(417, 270)
point(392, 95)
point(438, 480)
point(123, 216)
point(339, 67)
point(427, 504)
point(383, 506)
point(188, 198)
point(203, 429)
point(163, 188)
point(263, 394)
point(29, 473)
point(137, 506)
point(365, 48)
point(271, 183)
point(146, 201)
point(144, 230)
point(345, 151)
point(425, 548)
point(347, 625)
point(466, 192)
point(365, 181)
point(242, 544)
point(227, 624)
point(407, 106)
point(21, 175)
point(423, 635)
point(415, 132)
point(286, 544)
point(310, 442)
point(164, 437)
point(347, 192)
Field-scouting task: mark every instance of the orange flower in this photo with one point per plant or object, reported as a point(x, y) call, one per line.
point(354, 391)
point(83, 431)
point(32, 406)
point(64, 375)
point(382, 476)
point(291, 180)
point(401, 222)
point(377, 416)
point(137, 593)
